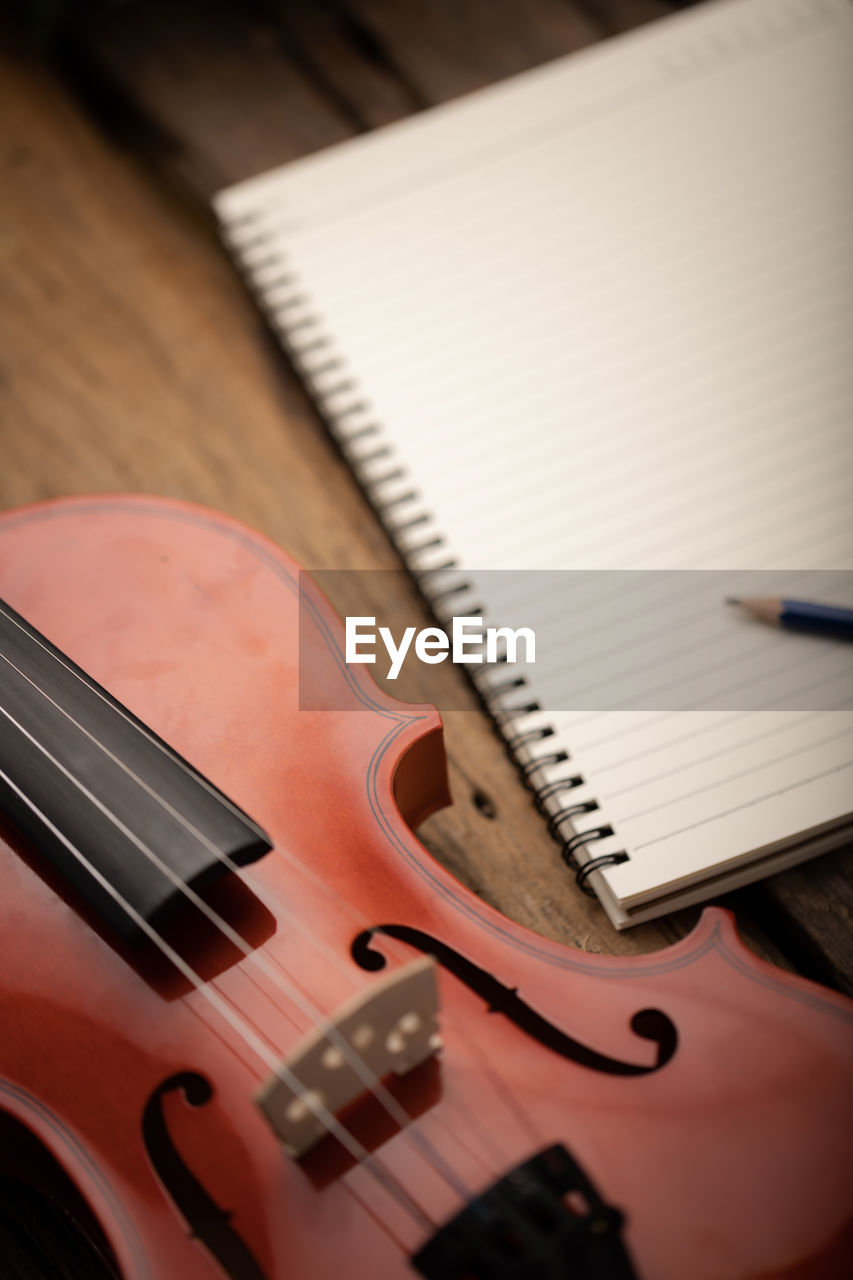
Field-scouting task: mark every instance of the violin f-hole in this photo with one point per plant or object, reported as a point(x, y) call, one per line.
point(650, 1024)
point(206, 1220)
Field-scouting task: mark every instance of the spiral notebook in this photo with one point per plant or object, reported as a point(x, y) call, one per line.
point(597, 317)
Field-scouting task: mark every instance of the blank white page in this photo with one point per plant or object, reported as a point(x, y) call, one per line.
point(600, 317)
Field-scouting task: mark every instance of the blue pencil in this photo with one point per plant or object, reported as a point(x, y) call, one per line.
point(800, 615)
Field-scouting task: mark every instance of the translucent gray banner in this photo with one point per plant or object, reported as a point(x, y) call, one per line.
point(610, 640)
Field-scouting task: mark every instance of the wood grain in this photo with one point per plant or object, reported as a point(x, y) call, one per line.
point(144, 366)
point(133, 361)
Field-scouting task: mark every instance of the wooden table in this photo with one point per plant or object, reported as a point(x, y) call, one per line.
point(132, 359)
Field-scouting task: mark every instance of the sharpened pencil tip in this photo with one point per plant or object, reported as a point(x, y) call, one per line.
point(732, 599)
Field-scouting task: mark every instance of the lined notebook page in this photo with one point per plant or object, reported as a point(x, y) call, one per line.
point(599, 317)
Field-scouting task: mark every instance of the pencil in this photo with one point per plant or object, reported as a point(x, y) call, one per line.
point(800, 615)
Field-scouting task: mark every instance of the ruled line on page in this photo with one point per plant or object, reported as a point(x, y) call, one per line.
point(754, 800)
point(519, 92)
point(600, 318)
point(723, 780)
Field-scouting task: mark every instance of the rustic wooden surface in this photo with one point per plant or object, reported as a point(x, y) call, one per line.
point(131, 358)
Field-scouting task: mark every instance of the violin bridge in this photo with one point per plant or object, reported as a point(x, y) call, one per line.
point(390, 1028)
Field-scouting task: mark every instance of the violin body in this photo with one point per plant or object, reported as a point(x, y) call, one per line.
point(732, 1160)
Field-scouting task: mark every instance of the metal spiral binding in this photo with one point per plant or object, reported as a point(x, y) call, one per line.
point(595, 864)
point(288, 308)
point(555, 818)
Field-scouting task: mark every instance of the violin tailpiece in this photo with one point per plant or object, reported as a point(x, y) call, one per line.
point(544, 1218)
point(388, 1029)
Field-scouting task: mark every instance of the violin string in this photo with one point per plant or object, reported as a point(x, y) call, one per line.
point(369, 1078)
point(271, 903)
point(365, 1073)
point(392, 946)
point(400, 1116)
point(240, 1026)
point(399, 951)
point(380, 1220)
point(122, 712)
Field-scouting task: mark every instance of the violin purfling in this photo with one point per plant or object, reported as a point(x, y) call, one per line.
point(251, 1029)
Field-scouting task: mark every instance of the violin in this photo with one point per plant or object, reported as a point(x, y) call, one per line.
point(251, 1029)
